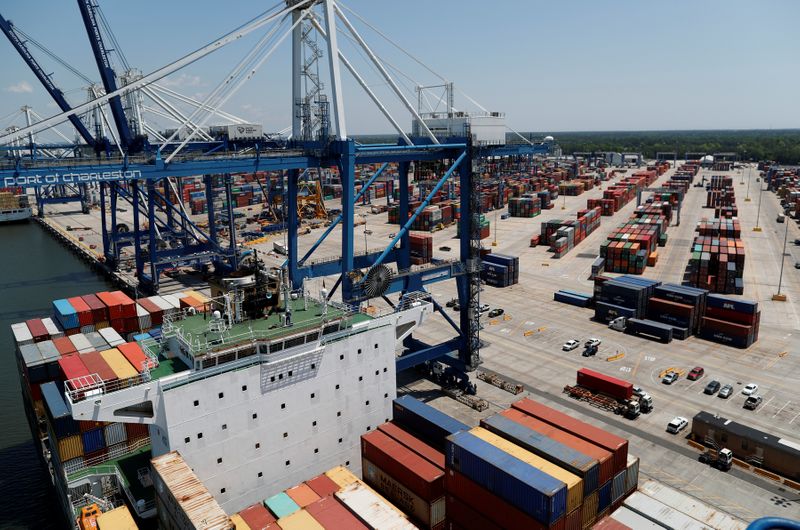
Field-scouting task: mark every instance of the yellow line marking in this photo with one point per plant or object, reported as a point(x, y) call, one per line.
point(636, 366)
point(494, 322)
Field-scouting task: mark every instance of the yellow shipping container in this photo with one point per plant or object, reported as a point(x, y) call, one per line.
point(299, 520)
point(116, 519)
point(70, 447)
point(573, 482)
point(119, 363)
point(238, 522)
point(341, 476)
point(590, 504)
point(200, 297)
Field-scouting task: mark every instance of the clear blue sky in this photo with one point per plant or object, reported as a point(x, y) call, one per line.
point(551, 66)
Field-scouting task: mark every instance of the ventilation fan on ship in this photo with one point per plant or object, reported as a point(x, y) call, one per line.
point(378, 280)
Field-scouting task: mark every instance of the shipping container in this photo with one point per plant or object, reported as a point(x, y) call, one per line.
point(155, 311)
point(428, 512)
point(424, 450)
point(66, 315)
point(371, 509)
point(574, 484)
point(604, 496)
point(64, 346)
point(281, 505)
point(610, 442)
point(420, 476)
point(299, 520)
point(111, 336)
point(579, 464)
point(322, 485)
point(58, 414)
point(332, 515)
point(632, 474)
point(633, 520)
point(607, 523)
point(604, 384)
point(72, 367)
point(341, 476)
point(690, 506)
point(487, 503)
point(136, 356)
point(649, 328)
point(238, 522)
point(618, 486)
point(432, 425)
point(93, 440)
point(34, 364)
point(85, 316)
point(70, 447)
point(658, 512)
point(38, 330)
point(22, 335)
point(81, 343)
point(257, 517)
point(53, 331)
point(461, 514)
point(115, 433)
point(589, 508)
point(97, 341)
point(122, 368)
point(302, 495)
point(531, 490)
point(96, 364)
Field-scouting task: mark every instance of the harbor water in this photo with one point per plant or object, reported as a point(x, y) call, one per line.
point(35, 269)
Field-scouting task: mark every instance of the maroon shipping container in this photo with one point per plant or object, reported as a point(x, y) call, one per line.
point(606, 458)
point(323, 485)
point(156, 313)
point(590, 433)
point(137, 431)
point(257, 517)
point(95, 364)
point(729, 315)
point(403, 465)
point(332, 514)
point(128, 305)
point(490, 505)
point(465, 516)
point(607, 523)
point(113, 305)
point(64, 345)
point(85, 317)
point(670, 307)
point(407, 439)
point(119, 325)
point(605, 384)
point(130, 325)
point(737, 330)
point(99, 309)
point(572, 521)
point(37, 329)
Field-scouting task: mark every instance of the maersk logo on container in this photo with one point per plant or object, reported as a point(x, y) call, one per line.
point(70, 178)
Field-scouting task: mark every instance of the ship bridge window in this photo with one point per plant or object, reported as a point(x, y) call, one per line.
point(275, 346)
point(295, 341)
point(311, 337)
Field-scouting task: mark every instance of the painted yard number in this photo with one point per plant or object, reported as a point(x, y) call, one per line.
point(649, 358)
point(624, 368)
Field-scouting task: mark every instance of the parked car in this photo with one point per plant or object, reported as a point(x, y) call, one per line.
point(750, 389)
point(696, 373)
point(495, 312)
point(592, 342)
point(669, 378)
point(712, 387)
point(677, 424)
point(452, 302)
point(570, 345)
point(484, 308)
point(589, 351)
point(752, 402)
point(725, 392)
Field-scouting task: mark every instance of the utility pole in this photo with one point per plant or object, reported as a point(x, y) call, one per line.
point(757, 228)
point(749, 173)
point(778, 296)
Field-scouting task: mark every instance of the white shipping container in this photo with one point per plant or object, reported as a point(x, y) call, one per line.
point(97, 340)
point(173, 302)
point(245, 131)
point(81, 343)
point(144, 318)
point(113, 338)
point(634, 520)
point(52, 330)
point(115, 433)
point(49, 351)
point(406, 500)
point(161, 303)
point(22, 335)
point(371, 509)
point(691, 506)
point(662, 514)
point(632, 473)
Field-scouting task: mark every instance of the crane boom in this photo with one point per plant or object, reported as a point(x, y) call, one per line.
point(107, 74)
point(52, 89)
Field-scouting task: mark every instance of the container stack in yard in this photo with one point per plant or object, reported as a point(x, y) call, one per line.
point(562, 235)
point(528, 205)
point(500, 270)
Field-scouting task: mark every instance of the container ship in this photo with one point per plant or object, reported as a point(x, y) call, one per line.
point(14, 207)
point(257, 387)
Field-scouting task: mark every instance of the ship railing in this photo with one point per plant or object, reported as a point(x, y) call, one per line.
point(92, 386)
point(97, 464)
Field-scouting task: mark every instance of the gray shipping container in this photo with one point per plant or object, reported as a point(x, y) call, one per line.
point(691, 506)
point(658, 512)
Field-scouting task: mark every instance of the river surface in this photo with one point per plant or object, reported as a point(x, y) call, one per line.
point(34, 270)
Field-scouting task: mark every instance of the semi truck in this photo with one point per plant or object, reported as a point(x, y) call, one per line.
point(610, 393)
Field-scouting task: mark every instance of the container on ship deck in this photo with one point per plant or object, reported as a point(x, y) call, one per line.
point(85, 315)
point(58, 414)
point(119, 364)
point(332, 515)
point(95, 364)
point(66, 315)
point(323, 485)
point(407, 439)
point(434, 426)
point(257, 516)
point(299, 520)
point(38, 330)
point(281, 505)
point(302, 495)
point(463, 515)
point(371, 509)
point(136, 356)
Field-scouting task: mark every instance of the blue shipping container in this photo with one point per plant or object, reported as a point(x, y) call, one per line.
point(281, 505)
point(571, 299)
point(604, 499)
point(724, 338)
point(58, 414)
point(431, 424)
point(65, 314)
point(605, 312)
point(618, 486)
point(681, 294)
point(93, 440)
point(732, 304)
point(575, 462)
point(534, 492)
point(635, 326)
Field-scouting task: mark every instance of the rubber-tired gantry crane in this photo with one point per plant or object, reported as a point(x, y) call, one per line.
point(144, 179)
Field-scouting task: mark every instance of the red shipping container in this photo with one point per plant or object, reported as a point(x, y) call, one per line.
point(323, 485)
point(136, 356)
point(605, 458)
point(410, 441)
point(64, 346)
point(37, 329)
point(95, 364)
point(72, 367)
point(572, 521)
point(605, 384)
point(156, 313)
point(36, 392)
point(130, 325)
point(729, 315)
point(332, 515)
point(610, 442)
point(465, 516)
point(85, 317)
point(490, 505)
point(128, 305)
point(607, 523)
point(118, 325)
point(671, 308)
point(113, 305)
point(303, 495)
point(403, 465)
point(737, 330)
point(257, 517)
point(86, 426)
point(137, 431)
point(99, 309)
